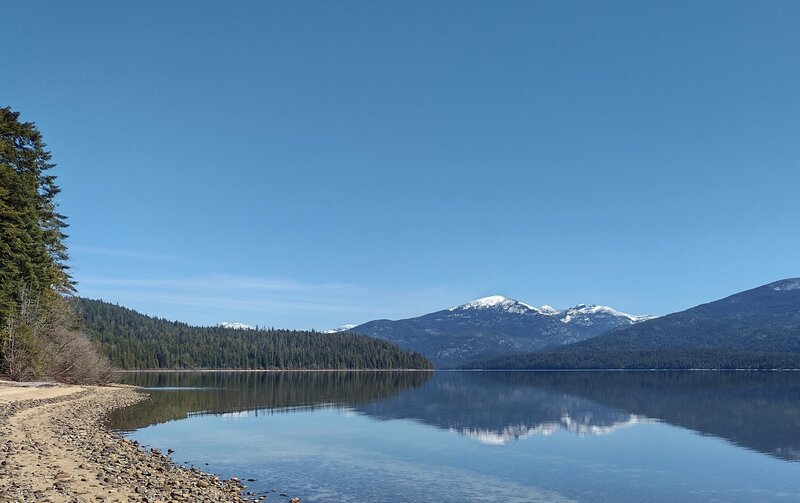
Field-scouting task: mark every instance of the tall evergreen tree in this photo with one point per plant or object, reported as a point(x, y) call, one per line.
point(32, 249)
point(33, 254)
point(12, 237)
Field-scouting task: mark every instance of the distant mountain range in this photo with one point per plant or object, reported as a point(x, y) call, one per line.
point(758, 328)
point(495, 326)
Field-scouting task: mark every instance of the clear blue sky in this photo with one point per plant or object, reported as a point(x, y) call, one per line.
point(307, 164)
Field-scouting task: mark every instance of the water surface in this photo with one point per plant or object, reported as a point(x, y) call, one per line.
point(482, 436)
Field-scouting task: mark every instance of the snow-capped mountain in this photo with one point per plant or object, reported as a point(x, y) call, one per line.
point(495, 325)
point(786, 285)
point(579, 315)
point(583, 314)
point(235, 325)
point(497, 302)
point(594, 319)
point(343, 328)
point(550, 310)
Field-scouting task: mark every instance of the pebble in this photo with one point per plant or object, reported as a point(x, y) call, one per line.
point(119, 465)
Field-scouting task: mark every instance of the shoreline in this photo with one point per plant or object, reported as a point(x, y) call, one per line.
point(211, 371)
point(164, 371)
point(55, 446)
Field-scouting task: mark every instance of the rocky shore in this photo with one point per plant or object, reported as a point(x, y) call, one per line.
point(54, 447)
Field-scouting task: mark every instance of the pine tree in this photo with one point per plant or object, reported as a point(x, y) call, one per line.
point(31, 192)
point(12, 238)
point(32, 250)
point(33, 254)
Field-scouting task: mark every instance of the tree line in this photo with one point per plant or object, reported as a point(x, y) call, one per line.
point(136, 341)
point(594, 359)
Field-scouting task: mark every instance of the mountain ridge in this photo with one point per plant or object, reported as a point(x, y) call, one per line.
point(494, 326)
point(755, 328)
point(728, 323)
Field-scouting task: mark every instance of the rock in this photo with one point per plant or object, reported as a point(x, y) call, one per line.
point(120, 466)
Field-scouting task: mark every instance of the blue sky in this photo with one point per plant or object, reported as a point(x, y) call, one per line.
point(307, 164)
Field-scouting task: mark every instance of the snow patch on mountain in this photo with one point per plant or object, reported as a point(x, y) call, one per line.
point(496, 302)
point(235, 325)
point(584, 314)
point(343, 328)
point(789, 284)
point(581, 313)
point(549, 310)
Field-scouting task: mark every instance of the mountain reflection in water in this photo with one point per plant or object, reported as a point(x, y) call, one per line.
point(755, 410)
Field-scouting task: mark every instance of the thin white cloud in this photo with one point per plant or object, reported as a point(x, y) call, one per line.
point(220, 282)
point(221, 303)
point(261, 300)
point(112, 252)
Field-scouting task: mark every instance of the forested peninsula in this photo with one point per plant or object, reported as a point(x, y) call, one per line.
point(135, 341)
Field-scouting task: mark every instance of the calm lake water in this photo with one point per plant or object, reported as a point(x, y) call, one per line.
point(482, 436)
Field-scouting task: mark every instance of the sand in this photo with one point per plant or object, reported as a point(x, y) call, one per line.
point(55, 447)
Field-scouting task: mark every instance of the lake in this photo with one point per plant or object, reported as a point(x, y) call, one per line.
point(481, 436)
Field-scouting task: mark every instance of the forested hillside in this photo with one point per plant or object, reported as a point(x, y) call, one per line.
point(494, 326)
point(136, 341)
point(674, 359)
point(758, 329)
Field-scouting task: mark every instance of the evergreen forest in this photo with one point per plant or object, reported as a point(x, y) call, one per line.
point(136, 341)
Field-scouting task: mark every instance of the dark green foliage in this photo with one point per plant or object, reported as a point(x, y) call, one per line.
point(32, 251)
point(136, 341)
point(643, 360)
point(33, 270)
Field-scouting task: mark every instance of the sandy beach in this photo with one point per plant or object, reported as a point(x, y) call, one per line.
point(54, 447)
